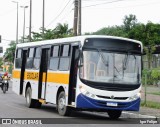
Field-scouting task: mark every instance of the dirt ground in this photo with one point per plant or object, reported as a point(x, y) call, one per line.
point(151, 97)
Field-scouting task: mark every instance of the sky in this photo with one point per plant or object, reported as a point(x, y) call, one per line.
point(96, 14)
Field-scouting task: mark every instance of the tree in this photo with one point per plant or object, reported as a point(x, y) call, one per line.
point(10, 52)
point(60, 31)
point(129, 22)
point(1, 62)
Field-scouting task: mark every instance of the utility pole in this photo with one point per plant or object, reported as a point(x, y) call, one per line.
point(75, 17)
point(30, 21)
point(43, 14)
point(24, 7)
point(79, 17)
point(17, 23)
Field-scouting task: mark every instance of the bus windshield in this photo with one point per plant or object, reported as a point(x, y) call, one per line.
point(111, 67)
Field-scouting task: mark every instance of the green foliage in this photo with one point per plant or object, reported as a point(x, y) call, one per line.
point(1, 62)
point(113, 31)
point(146, 74)
point(129, 22)
point(151, 104)
point(10, 52)
point(10, 68)
point(153, 76)
point(60, 31)
point(148, 34)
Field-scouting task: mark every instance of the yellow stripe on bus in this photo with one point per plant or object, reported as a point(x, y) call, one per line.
point(16, 74)
point(51, 77)
point(58, 78)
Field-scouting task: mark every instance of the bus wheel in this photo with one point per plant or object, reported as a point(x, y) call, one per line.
point(114, 114)
point(29, 101)
point(61, 106)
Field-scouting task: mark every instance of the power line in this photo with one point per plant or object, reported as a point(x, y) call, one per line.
point(137, 5)
point(103, 3)
point(67, 14)
point(59, 14)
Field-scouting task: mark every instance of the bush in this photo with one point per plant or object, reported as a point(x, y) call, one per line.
point(153, 76)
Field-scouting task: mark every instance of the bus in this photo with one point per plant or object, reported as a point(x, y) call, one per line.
point(87, 73)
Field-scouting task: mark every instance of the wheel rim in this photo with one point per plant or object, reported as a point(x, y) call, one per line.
point(62, 103)
point(28, 98)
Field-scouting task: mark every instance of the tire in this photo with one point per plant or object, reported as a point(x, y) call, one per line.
point(4, 88)
point(29, 101)
point(114, 114)
point(63, 110)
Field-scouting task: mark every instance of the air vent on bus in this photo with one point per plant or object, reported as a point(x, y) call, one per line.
point(116, 98)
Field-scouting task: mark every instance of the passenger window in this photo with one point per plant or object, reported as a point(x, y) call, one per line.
point(64, 64)
point(38, 52)
point(55, 51)
point(19, 53)
point(18, 61)
point(36, 61)
point(29, 63)
point(54, 60)
point(31, 52)
point(65, 50)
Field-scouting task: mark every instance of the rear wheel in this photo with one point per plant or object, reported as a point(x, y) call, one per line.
point(61, 107)
point(4, 88)
point(31, 103)
point(114, 114)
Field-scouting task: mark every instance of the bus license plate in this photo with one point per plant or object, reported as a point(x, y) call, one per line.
point(112, 104)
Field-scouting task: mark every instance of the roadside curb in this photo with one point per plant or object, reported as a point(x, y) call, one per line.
point(134, 115)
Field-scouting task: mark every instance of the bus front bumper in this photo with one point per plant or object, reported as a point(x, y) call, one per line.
point(84, 102)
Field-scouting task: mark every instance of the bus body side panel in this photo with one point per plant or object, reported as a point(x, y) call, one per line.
point(30, 77)
point(34, 88)
point(16, 81)
point(55, 80)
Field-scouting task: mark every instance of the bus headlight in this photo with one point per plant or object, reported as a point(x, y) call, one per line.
point(86, 93)
point(135, 97)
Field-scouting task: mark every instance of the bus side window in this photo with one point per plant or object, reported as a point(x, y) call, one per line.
point(54, 59)
point(29, 63)
point(36, 60)
point(18, 58)
point(65, 58)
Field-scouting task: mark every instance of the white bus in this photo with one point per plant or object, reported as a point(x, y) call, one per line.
point(93, 73)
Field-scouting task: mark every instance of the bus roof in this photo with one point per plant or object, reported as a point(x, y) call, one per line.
point(71, 39)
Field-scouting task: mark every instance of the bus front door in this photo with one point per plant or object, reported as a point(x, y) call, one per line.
point(24, 57)
point(73, 75)
point(43, 73)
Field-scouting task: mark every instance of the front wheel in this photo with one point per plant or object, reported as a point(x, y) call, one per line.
point(114, 114)
point(4, 88)
point(31, 103)
point(63, 110)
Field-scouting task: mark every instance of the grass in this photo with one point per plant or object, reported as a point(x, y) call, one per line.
point(154, 93)
point(150, 104)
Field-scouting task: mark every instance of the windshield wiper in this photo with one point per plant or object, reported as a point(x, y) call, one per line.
point(103, 58)
point(125, 63)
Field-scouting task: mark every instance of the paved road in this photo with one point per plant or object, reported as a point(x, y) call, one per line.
point(13, 106)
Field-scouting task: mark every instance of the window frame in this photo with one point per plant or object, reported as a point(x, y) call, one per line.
point(34, 57)
point(18, 58)
point(61, 56)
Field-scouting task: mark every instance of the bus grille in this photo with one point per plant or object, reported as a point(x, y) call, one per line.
point(115, 98)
